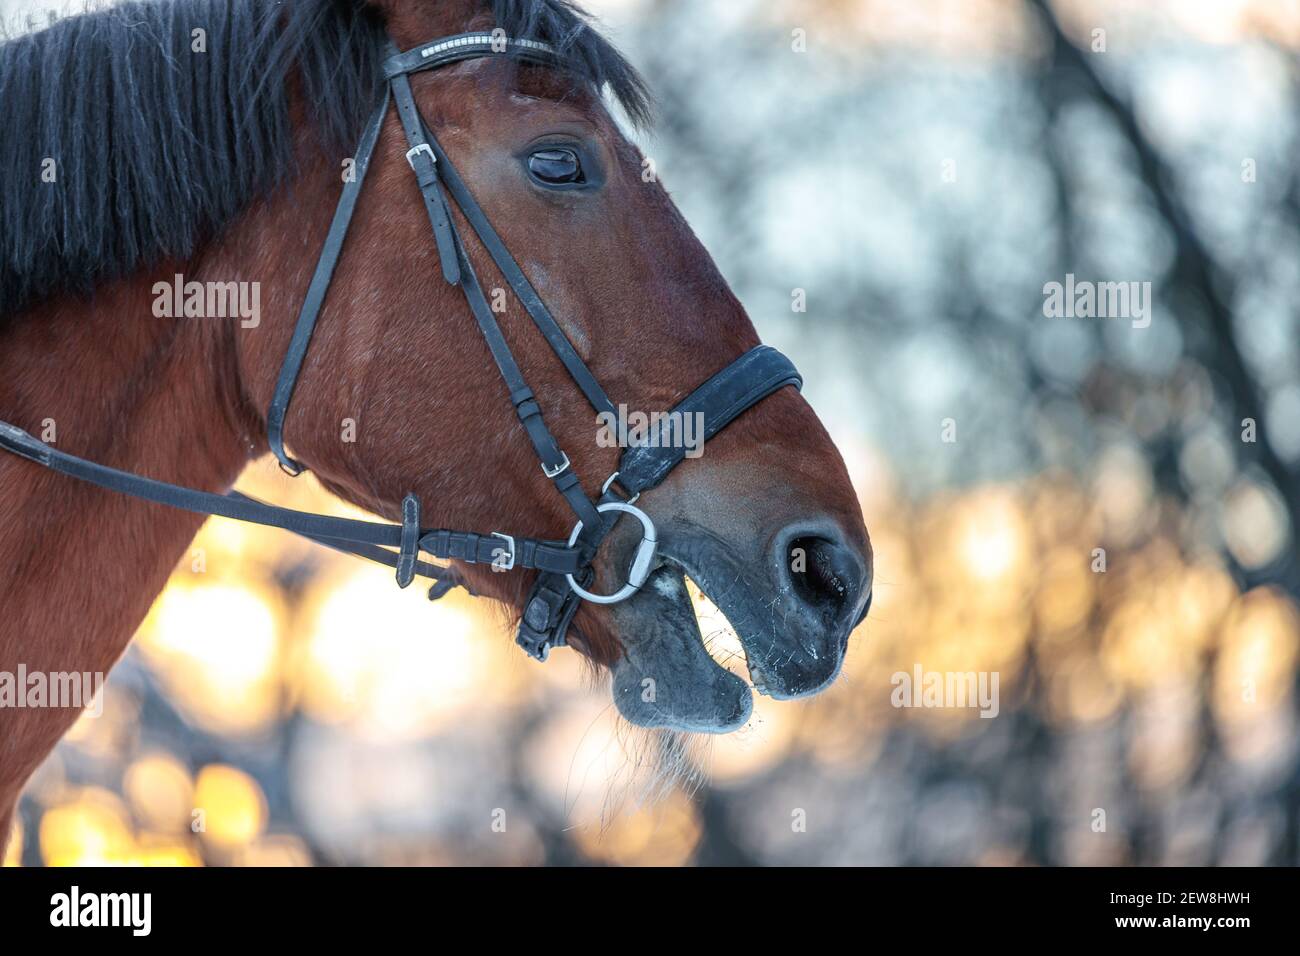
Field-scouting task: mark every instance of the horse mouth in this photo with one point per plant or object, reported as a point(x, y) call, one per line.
point(667, 677)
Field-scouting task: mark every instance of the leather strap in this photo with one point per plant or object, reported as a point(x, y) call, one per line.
point(319, 288)
point(461, 47)
point(425, 165)
point(548, 612)
point(409, 552)
point(424, 157)
point(370, 552)
point(519, 284)
point(555, 463)
point(745, 382)
point(553, 556)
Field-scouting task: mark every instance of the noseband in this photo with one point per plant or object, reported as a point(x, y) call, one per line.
point(565, 568)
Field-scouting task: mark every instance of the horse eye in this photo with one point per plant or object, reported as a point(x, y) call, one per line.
point(556, 166)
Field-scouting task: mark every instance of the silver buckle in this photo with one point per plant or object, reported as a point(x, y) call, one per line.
point(417, 150)
point(510, 542)
point(641, 561)
point(604, 489)
point(558, 469)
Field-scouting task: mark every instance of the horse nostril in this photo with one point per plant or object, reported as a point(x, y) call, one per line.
point(824, 574)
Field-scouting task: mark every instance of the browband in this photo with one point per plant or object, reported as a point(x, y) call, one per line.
point(469, 46)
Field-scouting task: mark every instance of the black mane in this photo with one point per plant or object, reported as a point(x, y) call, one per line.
point(156, 147)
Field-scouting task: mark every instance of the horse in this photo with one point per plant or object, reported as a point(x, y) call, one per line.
point(209, 140)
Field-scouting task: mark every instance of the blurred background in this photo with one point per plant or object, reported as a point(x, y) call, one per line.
point(919, 169)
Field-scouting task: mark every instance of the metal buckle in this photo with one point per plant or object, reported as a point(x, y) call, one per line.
point(640, 569)
point(604, 489)
point(510, 542)
point(558, 469)
point(417, 150)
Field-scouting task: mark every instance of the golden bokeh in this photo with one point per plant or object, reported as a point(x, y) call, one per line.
point(216, 644)
point(281, 850)
point(1023, 580)
point(229, 807)
point(93, 829)
point(661, 835)
point(1255, 668)
point(160, 792)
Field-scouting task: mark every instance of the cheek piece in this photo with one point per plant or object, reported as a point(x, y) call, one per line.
point(565, 567)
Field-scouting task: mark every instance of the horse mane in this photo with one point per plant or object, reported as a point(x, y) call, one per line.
point(155, 147)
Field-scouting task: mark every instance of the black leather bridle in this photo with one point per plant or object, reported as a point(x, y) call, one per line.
point(565, 567)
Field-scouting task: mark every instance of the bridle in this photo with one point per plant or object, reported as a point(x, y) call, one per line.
point(565, 567)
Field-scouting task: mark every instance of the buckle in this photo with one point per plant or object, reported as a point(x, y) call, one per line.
point(417, 150)
point(547, 615)
point(641, 561)
point(558, 470)
point(291, 467)
point(541, 620)
point(510, 543)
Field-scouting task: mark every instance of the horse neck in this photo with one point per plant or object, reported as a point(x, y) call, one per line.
point(104, 379)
